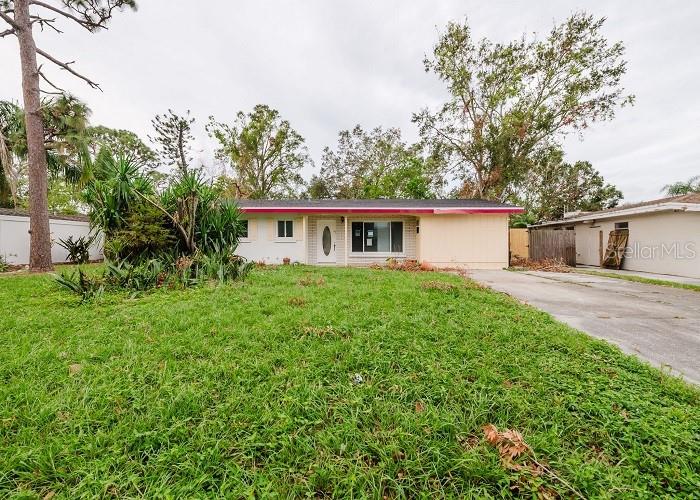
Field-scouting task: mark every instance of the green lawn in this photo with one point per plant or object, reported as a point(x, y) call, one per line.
point(641, 279)
point(248, 390)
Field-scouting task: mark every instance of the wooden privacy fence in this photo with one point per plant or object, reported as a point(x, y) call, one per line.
point(553, 244)
point(518, 242)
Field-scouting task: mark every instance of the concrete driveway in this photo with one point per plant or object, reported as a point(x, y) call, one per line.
point(658, 324)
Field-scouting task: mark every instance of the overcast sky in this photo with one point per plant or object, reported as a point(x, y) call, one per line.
point(328, 65)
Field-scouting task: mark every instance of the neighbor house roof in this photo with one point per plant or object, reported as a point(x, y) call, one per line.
point(376, 206)
point(686, 202)
point(22, 213)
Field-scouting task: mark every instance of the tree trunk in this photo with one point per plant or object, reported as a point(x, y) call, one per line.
point(39, 230)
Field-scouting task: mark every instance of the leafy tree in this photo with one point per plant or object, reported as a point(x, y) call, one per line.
point(318, 188)
point(64, 121)
point(376, 164)
point(173, 135)
point(692, 185)
point(509, 101)
point(91, 15)
point(66, 141)
point(12, 137)
point(63, 197)
point(522, 220)
point(553, 187)
point(121, 143)
point(265, 152)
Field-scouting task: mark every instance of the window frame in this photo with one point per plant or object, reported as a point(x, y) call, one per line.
point(288, 225)
point(364, 253)
point(247, 230)
point(622, 226)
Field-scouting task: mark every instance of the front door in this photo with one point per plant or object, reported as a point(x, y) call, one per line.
point(325, 241)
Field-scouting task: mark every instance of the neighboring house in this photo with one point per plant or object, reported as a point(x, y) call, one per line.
point(14, 236)
point(664, 235)
point(445, 233)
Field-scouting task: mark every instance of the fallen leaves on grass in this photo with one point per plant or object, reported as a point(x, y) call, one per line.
point(468, 441)
point(420, 407)
point(74, 368)
point(310, 281)
point(322, 331)
point(547, 265)
point(409, 265)
point(511, 445)
point(438, 285)
point(297, 301)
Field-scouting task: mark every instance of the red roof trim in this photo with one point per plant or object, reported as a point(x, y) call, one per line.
point(437, 211)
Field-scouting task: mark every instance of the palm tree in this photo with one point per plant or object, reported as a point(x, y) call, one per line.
point(66, 142)
point(692, 185)
point(12, 158)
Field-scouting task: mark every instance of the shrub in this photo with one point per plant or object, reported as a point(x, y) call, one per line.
point(184, 236)
point(79, 282)
point(4, 266)
point(145, 235)
point(78, 249)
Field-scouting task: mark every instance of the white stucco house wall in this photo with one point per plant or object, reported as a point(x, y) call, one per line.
point(445, 233)
point(664, 235)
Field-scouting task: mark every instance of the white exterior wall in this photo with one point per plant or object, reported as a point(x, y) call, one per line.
point(263, 245)
point(14, 238)
point(361, 259)
point(663, 243)
point(474, 241)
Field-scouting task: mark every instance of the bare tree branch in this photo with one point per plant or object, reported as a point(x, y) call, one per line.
point(45, 22)
point(88, 25)
point(67, 67)
point(9, 20)
point(5, 33)
point(59, 89)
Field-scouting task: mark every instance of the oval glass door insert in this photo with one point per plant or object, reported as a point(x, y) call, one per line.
point(326, 240)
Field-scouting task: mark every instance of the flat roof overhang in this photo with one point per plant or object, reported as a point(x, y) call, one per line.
point(356, 210)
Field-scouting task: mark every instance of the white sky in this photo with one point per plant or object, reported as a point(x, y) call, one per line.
point(328, 65)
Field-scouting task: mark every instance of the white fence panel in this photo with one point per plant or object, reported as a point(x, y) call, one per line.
point(14, 238)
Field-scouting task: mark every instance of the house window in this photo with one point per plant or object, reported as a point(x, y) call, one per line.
point(621, 226)
point(285, 229)
point(243, 229)
point(379, 237)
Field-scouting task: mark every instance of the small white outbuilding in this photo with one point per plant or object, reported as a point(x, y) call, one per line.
point(663, 235)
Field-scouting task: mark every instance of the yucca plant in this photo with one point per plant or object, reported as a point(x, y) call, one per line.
point(184, 236)
point(80, 283)
point(78, 248)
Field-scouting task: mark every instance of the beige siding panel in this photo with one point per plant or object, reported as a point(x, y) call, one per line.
point(663, 243)
point(473, 241)
point(299, 229)
point(252, 229)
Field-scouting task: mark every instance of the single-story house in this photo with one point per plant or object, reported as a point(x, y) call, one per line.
point(14, 236)
point(445, 233)
point(663, 235)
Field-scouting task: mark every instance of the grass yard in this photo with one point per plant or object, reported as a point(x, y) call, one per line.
point(641, 279)
point(326, 381)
